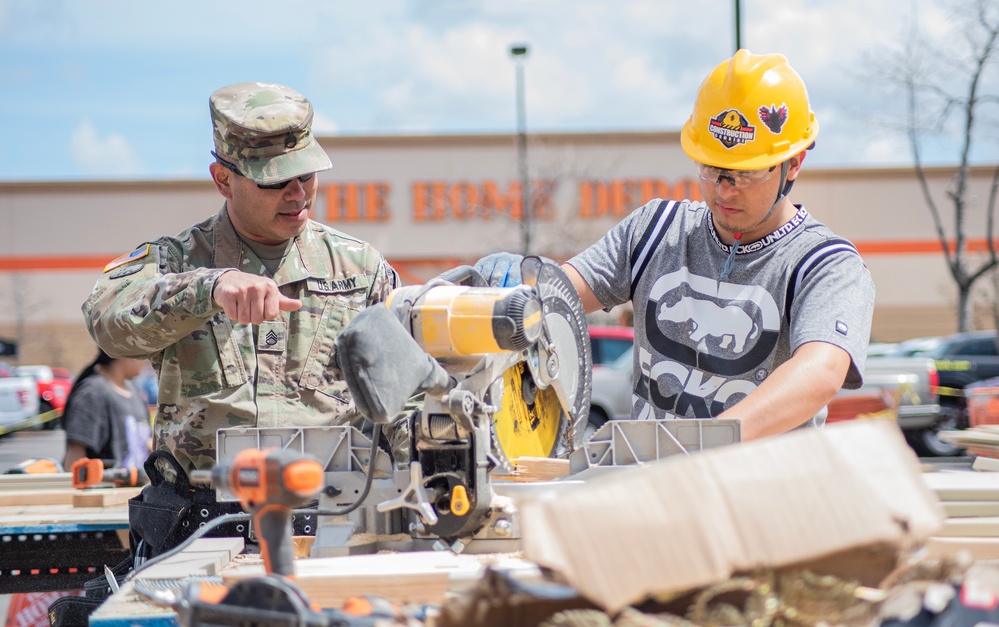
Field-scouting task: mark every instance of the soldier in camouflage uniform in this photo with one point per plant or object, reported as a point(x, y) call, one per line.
point(239, 314)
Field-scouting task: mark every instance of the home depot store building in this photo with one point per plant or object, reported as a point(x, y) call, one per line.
point(432, 202)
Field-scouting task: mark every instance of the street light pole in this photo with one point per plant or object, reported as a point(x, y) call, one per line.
point(519, 54)
point(738, 25)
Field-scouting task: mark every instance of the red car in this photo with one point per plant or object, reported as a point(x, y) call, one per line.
point(609, 343)
point(611, 393)
point(53, 385)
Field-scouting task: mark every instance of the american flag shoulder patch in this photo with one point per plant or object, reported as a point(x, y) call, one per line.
point(138, 253)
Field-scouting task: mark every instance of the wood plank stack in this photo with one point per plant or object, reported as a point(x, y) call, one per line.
point(971, 501)
point(982, 440)
point(57, 489)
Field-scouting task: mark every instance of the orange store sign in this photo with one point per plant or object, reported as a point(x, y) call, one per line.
point(443, 201)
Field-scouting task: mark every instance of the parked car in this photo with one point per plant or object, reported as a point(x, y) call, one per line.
point(916, 346)
point(610, 395)
point(908, 385)
point(608, 343)
point(18, 396)
point(962, 359)
point(53, 385)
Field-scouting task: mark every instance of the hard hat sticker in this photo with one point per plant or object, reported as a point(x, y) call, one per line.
point(774, 117)
point(731, 128)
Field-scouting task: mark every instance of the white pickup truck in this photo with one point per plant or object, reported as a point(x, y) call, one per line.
point(18, 397)
point(910, 386)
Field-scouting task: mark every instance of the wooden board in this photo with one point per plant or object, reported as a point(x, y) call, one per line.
point(985, 464)
point(421, 577)
point(984, 527)
point(36, 482)
point(126, 608)
point(103, 497)
point(963, 485)
point(93, 497)
point(417, 577)
point(979, 548)
point(530, 469)
point(47, 496)
point(206, 556)
point(62, 514)
point(971, 509)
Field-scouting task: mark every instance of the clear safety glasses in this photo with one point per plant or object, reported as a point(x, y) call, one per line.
point(738, 179)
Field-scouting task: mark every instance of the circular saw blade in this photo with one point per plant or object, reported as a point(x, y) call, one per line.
point(565, 327)
point(528, 421)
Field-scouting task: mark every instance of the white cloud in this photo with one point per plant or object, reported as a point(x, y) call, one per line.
point(322, 125)
point(109, 155)
point(397, 66)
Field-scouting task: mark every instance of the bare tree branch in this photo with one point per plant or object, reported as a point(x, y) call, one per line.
point(945, 82)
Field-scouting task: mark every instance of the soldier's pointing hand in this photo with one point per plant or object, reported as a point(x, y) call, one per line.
point(251, 299)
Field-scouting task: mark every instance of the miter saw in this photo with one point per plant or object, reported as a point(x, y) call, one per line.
point(506, 372)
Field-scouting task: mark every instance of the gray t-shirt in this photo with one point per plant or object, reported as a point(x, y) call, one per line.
point(703, 344)
point(108, 424)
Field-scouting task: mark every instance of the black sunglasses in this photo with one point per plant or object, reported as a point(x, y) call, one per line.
point(281, 185)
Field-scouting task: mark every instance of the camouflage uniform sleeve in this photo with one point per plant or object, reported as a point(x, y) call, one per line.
point(144, 302)
point(385, 280)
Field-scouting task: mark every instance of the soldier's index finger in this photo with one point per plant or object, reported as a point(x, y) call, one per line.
point(289, 304)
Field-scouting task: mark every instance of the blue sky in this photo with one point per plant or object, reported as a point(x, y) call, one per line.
point(118, 89)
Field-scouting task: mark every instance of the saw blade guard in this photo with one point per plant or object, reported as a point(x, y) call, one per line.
point(562, 357)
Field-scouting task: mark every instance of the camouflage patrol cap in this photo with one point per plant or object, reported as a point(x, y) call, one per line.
point(265, 130)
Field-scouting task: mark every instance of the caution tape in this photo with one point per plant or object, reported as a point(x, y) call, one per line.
point(958, 392)
point(31, 421)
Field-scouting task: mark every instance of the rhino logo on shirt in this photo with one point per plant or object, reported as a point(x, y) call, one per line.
point(730, 324)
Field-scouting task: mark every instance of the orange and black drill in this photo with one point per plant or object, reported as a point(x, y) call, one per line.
point(269, 484)
point(87, 472)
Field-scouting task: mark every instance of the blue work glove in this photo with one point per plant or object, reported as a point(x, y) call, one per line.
point(500, 269)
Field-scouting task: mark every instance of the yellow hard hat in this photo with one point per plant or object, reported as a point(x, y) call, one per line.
point(751, 113)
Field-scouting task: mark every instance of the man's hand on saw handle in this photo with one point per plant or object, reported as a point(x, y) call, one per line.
point(500, 269)
point(251, 299)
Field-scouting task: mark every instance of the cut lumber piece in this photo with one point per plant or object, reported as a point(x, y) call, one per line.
point(48, 496)
point(207, 556)
point(963, 485)
point(303, 545)
point(55, 515)
point(103, 497)
point(418, 577)
point(979, 548)
point(983, 527)
point(126, 608)
point(35, 482)
point(986, 464)
point(977, 434)
point(530, 469)
point(971, 509)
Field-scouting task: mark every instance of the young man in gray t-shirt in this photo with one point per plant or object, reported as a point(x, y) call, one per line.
point(745, 306)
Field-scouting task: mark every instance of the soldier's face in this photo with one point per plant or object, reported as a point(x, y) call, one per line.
point(271, 216)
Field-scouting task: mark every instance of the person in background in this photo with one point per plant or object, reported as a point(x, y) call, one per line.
point(106, 416)
point(149, 384)
point(746, 306)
